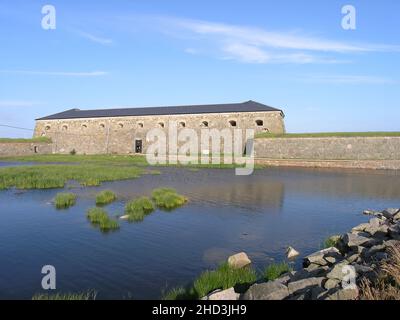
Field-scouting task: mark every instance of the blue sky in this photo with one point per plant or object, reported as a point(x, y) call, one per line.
point(287, 54)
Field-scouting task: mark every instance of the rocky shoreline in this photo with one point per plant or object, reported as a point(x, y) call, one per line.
point(334, 273)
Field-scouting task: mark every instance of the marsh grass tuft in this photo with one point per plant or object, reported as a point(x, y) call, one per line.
point(105, 197)
point(55, 176)
point(89, 295)
point(138, 209)
point(65, 200)
point(167, 198)
point(223, 277)
point(275, 270)
point(99, 218)
point(178, 293)
point(332, 241)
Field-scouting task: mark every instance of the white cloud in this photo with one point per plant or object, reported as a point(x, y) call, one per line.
point(347, 79)
point(96, 39)
point(257, 45)
point(56, 73)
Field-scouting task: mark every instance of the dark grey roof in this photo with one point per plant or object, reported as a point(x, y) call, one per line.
point(248, 106)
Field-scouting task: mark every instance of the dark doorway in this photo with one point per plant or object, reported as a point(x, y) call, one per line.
point(138, 146)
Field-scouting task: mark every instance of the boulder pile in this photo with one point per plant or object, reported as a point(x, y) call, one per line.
point(335, 273)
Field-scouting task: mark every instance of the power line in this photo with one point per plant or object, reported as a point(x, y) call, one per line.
point(20, 128)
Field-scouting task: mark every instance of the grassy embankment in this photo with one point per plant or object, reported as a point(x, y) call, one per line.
point(56, 176)
point(112, 160)
point(22, 140)
point(328, 134)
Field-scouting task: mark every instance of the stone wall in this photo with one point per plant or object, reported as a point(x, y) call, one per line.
point(24, 148)
point(321, 149)
point(118, 134)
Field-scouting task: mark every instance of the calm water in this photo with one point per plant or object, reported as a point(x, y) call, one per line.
point(260, 214)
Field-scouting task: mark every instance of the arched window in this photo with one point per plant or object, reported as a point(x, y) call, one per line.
point(140, 124)
point(204, 124)
point(120, 125)
point(47, 128)
point(182, 124)
point(102, 125)
point(161, 124)
point(65, 127)
point(84, 126)
point(259, 123)
point(232, 123)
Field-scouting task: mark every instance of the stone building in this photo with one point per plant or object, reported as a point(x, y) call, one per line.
point(123, 131)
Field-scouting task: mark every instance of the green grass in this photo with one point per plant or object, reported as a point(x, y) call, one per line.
point(327, 134)
point(178, 293)
point(83, 159)
point(89, 295)
point(65, 200)
point(114, 160)
point(99, 218)
point(224, 277)
point(21, 140)
point(56, 176)
point(138, 209)
point(167, 198)
point(331, 241)
point(275, 270)
point(105, 197)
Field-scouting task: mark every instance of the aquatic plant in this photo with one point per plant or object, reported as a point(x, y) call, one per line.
point(55, 176)
point(105, 197)
point(99, 218)
point(64, 200)
point(332, 241)
point(167, 198)
point(138, 209)
point(275, 270)
point(223, 277)
point(178, 293)
point(89, 295)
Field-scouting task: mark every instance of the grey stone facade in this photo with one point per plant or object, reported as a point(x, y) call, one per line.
point(118, 135)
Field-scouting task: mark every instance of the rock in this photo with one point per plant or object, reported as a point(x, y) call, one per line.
point(239, 260)
point(291, 253)
point(353, 258)
point(305, 273)
point(304, 284)
point(124, 217)
point(372, 213)
point(380, 256)
point(360, 227)
point(375, 249)
point(396, 216)
point(344, 294)
point(272, 290)
point(390, 213)
point(338, 271)
point(360, 269)
point(284, 279)
point(318, 257)
point(355, 240)
point(331, 283)
point(228, 294)
point(394, 232)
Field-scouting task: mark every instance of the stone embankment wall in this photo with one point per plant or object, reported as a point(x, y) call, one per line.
point(339, 152)
point(10, 149)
